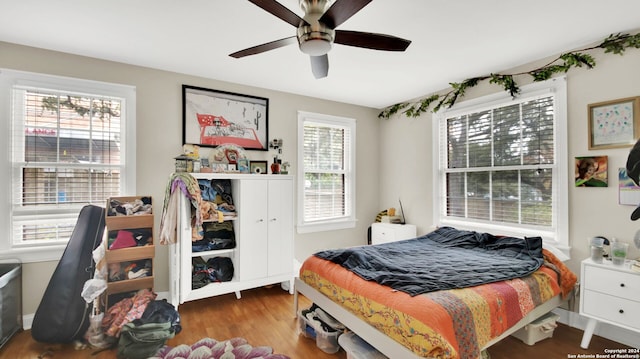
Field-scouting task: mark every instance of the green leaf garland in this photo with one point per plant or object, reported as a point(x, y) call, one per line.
point(614, 43)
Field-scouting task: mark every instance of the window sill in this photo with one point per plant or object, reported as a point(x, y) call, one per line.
point(34, 254)
point(326, 226)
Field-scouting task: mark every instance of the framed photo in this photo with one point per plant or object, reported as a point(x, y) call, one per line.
point(243, 165)
point(614, 124)
point(591, 171)
point(211, 118)
point(219, 167)
point(258, 167)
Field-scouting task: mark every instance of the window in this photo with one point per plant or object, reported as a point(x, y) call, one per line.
point(326, 174)
point(69, 146)
point(502, 164)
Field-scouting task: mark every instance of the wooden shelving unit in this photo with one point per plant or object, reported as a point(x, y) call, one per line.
point(129, 254)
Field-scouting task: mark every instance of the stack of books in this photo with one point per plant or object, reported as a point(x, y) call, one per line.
point(391, 219)
point(635, 265)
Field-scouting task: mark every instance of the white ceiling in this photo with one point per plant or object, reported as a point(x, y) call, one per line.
point(451, 40)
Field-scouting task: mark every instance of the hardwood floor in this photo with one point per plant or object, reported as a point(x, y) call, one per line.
point(264, 316)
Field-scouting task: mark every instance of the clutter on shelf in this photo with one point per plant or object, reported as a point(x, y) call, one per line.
point(129, 270)
point(225, 158)
point(278, 167)
point(189, 159)
point(284, 168)
point(136, 206)
point(212, 270)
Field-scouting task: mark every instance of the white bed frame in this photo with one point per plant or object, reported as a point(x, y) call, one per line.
point(382, 342)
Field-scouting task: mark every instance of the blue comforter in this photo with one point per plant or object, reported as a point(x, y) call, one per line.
point(446, 258)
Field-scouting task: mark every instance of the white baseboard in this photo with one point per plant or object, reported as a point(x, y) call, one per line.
point(572, 319)
point(27, 319)
point(605, 330)
point(163, 295)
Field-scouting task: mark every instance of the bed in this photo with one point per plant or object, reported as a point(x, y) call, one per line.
point(448, 294)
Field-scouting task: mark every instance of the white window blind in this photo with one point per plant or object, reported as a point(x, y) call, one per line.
point(327, 170)
point(66, 151)
point(499, 166)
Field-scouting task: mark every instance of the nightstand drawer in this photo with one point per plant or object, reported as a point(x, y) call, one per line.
point(610, 308)
point(382, 234)
point(620, 284)
point(389, 232)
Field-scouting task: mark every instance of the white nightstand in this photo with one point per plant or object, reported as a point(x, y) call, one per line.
point(390, 232)
point(609, 294)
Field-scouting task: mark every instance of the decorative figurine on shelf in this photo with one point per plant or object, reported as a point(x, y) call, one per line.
point(284, 168)
point(275, 166)
point(189, 160)
point(232, 155)
point(192, 151)
point(226, 158)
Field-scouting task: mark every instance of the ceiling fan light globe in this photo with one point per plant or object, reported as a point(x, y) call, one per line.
point(315, 47)
point(315, 39)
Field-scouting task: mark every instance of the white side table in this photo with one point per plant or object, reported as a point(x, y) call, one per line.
point(390, 232)
point(609, 294)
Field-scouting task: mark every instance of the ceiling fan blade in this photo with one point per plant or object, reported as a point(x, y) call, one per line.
point(265, 47)
point(371, 40)
point(341, 11)
point(320, 66)
point(275, 8)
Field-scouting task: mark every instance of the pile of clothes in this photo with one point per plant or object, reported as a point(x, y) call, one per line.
point(320, 321)
point(130, 270)
point(124, 238)
point(137, 325)
point(136, 207)
point(216, 269)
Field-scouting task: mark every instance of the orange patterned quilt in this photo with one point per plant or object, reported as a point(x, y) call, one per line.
point(453, 323)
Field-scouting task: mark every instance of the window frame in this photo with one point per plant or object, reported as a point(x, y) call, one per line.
point(344, 222)
point(10, 78)
point(556, 235)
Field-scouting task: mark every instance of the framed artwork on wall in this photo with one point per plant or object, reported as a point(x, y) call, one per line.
point(591, 171)
point(212, 118)
point(628, 191)
point(614, 124)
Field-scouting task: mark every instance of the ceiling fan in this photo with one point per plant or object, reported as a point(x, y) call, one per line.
point(317, 31)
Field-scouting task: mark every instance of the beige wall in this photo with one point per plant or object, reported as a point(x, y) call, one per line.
point(159, 140)
point(393, 156)
point(406, 157)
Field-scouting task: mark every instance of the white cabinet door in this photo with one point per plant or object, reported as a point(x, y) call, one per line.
point(253, 236)
point(280, 214)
